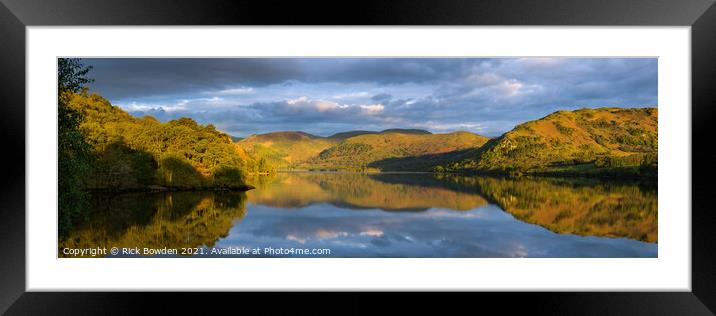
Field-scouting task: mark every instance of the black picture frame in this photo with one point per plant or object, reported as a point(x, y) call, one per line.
point(15, 15)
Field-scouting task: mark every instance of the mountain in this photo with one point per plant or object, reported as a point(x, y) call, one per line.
point(356, 149)
point(605, 141)
point(285, 149)
point(587, 141)
point(345, 135)
point(371, 150)
point(406, 131)
point(284, 136)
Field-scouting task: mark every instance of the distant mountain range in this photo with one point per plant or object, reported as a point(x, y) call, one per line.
point(353, 150)
point(346, 135)
point(611, 141)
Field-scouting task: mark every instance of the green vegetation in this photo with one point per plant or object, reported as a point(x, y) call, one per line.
point(285, 150)
point(73, 152)
point(133, 153)
point(362, 151)
point(103, 148)
point(607, 142)
point(345, 150)
point(393, 150)
point(589, 142)
point(345, 135)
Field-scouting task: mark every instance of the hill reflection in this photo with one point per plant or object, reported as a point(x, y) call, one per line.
point(417, 214)
point(157, 220)
point(563, 205)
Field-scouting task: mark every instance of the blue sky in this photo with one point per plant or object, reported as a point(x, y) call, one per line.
point(322, 96)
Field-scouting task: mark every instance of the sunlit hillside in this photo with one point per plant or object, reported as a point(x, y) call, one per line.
point(345, 135)
point(370, 150)
point(133, 153)
point(581, 141)
point(285, 149)
point(354, 150)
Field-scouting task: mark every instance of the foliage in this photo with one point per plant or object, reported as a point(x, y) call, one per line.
point(394, 150)
point(119, 167)
point(607, 141)
point(361, 151)
point(345, 150)
point(72, 74)
point(285, 149)
point(73, 151)
point(136, 152)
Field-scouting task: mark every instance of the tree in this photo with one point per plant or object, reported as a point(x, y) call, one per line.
point(73, 152)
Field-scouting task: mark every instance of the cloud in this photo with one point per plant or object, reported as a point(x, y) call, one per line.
point(372, 108)
point(467, 126)
point(239, 90)
point(381, 97)
point(328, 95)
point(511, 87)
point(304, 103)
point(482, 232)
point(299, 100)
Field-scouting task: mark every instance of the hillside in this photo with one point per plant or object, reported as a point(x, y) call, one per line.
point(604, 142)
point(134, 153)
point(285, 149)
point(345, 135)
point(294, 149)
point(587, 141)
point(375, 150)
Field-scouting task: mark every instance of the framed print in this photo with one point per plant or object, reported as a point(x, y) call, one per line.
point(178, 146)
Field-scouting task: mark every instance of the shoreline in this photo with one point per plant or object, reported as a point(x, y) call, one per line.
point(605, 175)
point(159, 189)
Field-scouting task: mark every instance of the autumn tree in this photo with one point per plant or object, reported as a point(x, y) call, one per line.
point(74, 153)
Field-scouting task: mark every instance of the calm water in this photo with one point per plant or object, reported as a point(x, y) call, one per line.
point(386, 215)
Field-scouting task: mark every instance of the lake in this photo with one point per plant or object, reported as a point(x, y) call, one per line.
point(313, 214)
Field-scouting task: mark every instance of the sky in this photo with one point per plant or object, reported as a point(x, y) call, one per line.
point(323, 96)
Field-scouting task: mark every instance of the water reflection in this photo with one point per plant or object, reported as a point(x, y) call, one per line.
point(391, 215)
point(360, 191)
point(158, 220)
point(575, 206)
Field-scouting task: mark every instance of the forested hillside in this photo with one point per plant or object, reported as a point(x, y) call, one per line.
point(358, 150)
point(589, 141)
point(133, 153)
point(378, 151)
point(285, 149)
